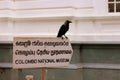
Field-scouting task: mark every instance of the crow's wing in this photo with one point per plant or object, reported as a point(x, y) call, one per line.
point(62, 31)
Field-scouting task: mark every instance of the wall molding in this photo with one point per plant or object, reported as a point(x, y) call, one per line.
point(78, 66)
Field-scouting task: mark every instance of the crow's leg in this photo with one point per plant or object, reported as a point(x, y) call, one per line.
point(66, 37)
point(62, 37)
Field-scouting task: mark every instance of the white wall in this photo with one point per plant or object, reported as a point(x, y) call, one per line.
point(91, 21)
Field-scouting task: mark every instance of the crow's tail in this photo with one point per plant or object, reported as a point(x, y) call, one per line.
point(59, 35)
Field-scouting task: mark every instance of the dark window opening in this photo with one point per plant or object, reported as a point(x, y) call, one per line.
point(113, 6)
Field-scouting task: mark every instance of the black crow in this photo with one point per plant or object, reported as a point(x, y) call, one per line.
point(63, 29)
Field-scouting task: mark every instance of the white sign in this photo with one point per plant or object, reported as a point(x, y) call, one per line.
point(33, 52)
